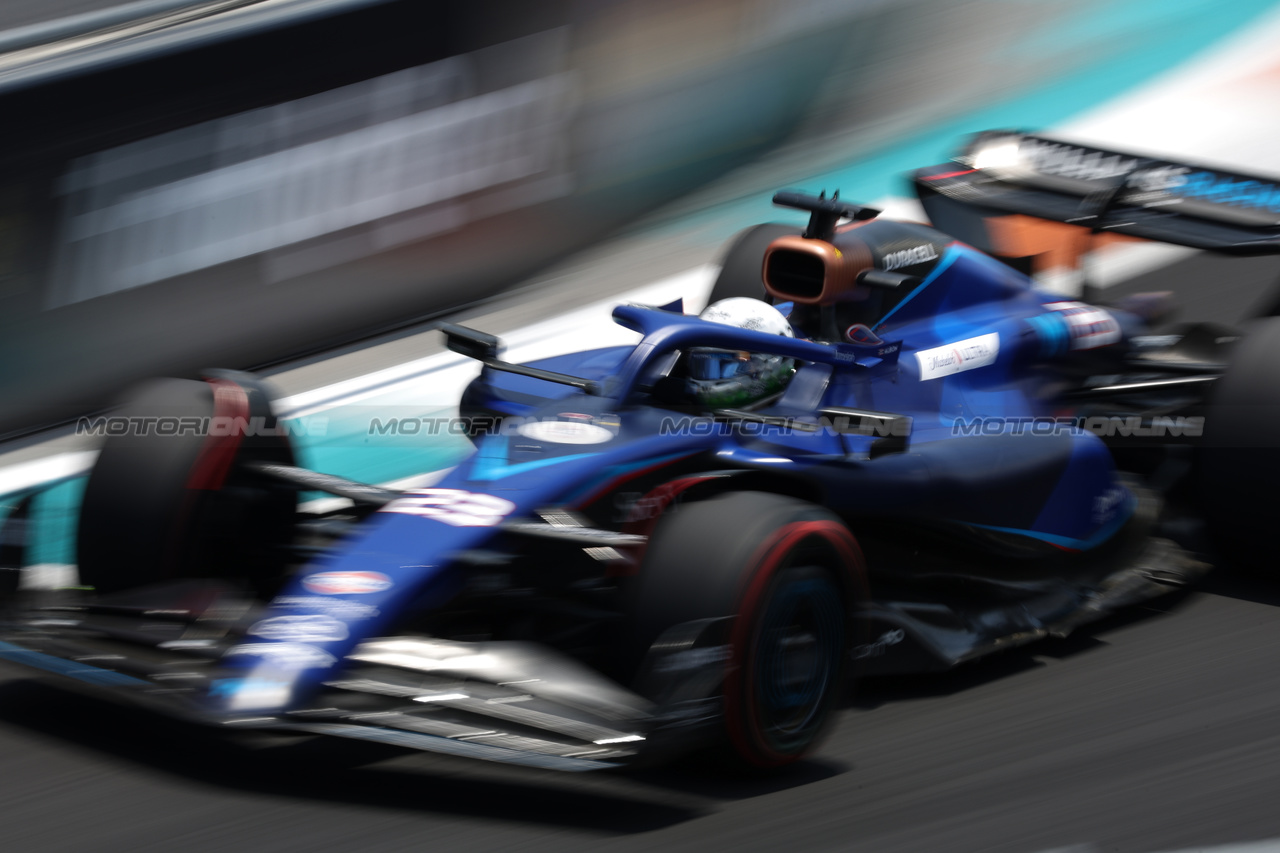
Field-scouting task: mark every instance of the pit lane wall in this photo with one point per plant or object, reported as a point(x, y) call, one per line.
point(240, 181)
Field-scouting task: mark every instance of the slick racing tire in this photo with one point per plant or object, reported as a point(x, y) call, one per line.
point(788, 573)
point(742, 273)
point(171, 498)
point(1239, 455)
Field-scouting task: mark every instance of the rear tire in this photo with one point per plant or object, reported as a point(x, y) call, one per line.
point(159, 507)
point(1239, 458)
point(742, 273)
point(789, 573)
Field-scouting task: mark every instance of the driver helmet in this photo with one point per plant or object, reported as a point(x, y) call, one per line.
point(727, 378)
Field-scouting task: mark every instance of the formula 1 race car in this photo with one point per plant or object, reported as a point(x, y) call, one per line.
point(880, 450)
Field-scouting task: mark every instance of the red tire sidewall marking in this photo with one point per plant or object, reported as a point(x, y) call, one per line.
point(657, 500)
point(212, 465)
point(741, 716)
point(218, 452)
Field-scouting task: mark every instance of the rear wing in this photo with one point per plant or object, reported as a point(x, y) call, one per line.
point(1003, 172)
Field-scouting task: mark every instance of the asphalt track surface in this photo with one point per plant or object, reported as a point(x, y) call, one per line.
point(1158, 729)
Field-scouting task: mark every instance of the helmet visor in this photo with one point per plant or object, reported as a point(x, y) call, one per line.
point(717, 364)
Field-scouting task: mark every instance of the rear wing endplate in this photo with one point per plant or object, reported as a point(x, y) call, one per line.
point(1003, 172)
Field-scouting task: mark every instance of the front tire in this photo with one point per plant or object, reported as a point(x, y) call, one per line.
point(788, 573)
point(162, 505)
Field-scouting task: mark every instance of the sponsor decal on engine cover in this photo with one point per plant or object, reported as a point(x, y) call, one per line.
point(910, 257)
point(1089, 327)
point(958, 357)
point(346, 583)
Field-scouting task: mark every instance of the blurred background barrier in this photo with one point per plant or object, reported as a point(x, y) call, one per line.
point(239, 182)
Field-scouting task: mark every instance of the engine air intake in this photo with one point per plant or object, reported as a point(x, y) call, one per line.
point(795, 275)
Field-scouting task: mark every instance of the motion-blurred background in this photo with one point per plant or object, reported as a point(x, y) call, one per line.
point(238, 182)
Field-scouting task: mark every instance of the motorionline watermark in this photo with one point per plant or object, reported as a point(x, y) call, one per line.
point(1104, 426)
point(569, 427)
point(444, 425)
point(841, 425)
point(119, 425)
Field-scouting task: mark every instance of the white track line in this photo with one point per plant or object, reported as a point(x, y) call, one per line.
point(441, 377)
point(51, 469)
